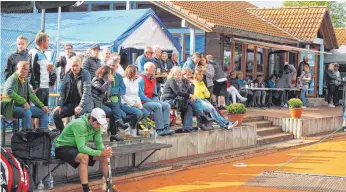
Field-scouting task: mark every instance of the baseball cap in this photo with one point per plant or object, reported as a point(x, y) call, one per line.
point(96, 46)
point(100, 115)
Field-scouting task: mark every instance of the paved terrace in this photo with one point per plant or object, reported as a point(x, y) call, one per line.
point(309, 113)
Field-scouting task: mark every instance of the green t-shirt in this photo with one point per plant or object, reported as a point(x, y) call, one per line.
point(78, 133)
point(114, 98)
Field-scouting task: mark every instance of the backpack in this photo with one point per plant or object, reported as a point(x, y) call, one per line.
point(33, 144)
point(14, 176)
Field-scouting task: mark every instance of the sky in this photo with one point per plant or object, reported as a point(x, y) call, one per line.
point(262, 4)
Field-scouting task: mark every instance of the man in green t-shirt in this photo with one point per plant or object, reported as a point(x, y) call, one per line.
point(71, 145)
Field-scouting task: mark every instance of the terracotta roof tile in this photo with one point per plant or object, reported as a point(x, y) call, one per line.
point(228, 14)
point(341, 35)
point(301, 22)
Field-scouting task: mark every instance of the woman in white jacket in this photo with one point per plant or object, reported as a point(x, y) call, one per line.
point(131, 96)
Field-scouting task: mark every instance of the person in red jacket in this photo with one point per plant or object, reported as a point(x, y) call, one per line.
point(148, 95)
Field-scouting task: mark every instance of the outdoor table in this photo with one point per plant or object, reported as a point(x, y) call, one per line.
point(255, 89)
point(270, 91)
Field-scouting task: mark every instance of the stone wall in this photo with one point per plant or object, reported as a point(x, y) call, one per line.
point(307, 127)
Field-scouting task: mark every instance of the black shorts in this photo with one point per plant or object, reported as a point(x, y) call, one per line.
point(220, 88)
point(69, 154)
point(43, 95)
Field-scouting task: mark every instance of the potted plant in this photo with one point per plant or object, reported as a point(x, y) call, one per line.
point(296, 109)
point(236, 112)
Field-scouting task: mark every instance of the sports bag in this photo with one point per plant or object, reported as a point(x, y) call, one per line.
point(14, 176)
point(33, 144)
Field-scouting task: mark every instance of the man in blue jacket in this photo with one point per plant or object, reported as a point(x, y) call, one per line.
point(193, 61)
point(142, 59)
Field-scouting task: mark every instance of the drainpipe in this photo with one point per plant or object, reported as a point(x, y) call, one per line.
point(192, 40)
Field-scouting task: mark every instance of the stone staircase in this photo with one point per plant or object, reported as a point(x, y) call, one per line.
point(266, 132)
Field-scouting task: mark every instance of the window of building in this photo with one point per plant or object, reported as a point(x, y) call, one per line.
point(250, 58)
point(227, 57)
point(100, 7)
point(237, 57)
point(260, 60)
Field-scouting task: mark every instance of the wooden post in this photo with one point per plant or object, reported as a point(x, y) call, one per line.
point(232, 67)
point(243, 58)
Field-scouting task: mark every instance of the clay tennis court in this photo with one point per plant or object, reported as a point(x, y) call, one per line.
point(327, 158)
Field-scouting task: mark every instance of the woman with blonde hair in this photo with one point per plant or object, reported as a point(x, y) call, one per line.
point(203, 93)
point(131, 102)
point(181, 99)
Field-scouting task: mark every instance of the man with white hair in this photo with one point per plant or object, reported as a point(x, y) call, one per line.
point(142, 59)
point(18, 90)
point(106, 56)
point(174, 61)
point(160, 69)
point(75, 96)
point(151, 102)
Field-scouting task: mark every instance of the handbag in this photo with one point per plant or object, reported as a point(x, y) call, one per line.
point(7, 107)
point(180, 103)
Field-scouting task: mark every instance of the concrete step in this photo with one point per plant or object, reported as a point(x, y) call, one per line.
point(265, 131)
point(253, 118)
point(279, 137)
point(259, 124)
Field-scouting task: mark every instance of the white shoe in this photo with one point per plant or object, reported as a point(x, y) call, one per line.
point(243, 99)
point(232, 124)
point(303, 107)
point(285, 106)
point(134, 133)
point(331, 106)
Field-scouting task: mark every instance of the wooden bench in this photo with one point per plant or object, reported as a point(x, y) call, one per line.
point(118, 151)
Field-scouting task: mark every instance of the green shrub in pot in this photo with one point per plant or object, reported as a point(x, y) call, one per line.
point(236, 108)
point(295, 103)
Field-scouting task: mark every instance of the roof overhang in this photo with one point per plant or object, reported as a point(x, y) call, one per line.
point(192, 19)
point(279, 47)
point(253, 35)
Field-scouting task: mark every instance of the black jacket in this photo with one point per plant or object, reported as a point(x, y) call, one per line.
point(13, 60)
point(91, 64)
point(84, 90)
point(331, 77)
point(171, 90)
point(63, 64)
point(100, 89)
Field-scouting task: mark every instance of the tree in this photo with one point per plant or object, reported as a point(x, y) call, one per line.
point(337, 9)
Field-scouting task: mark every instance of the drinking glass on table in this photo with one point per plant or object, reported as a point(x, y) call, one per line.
point(158, 71)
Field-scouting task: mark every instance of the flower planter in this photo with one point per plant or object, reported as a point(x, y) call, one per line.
point(236, 117)
point(296, 112)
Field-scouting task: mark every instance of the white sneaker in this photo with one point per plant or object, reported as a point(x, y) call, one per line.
point(243, 99)
point(285, 106)
point(345, 129)
point(134, 133)
point(331, 106)
point(232, 124)
point(303, 107)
